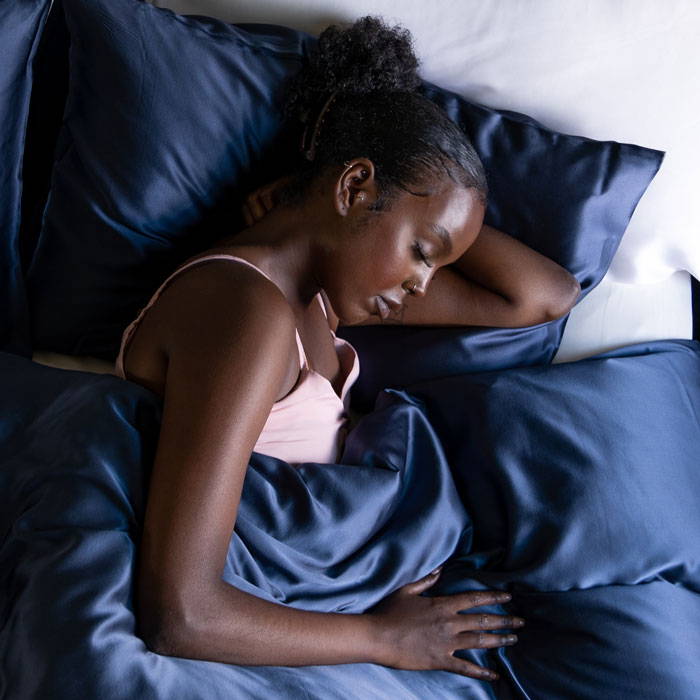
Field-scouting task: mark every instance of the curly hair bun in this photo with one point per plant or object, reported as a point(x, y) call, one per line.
point(359, 96)
point(366, 56)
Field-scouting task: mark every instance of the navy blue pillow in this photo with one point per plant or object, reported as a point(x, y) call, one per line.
point(169, 122)
point(582, 483)
point(568, 197)
point(21, 23)
point(172, 120)
point(578, 474)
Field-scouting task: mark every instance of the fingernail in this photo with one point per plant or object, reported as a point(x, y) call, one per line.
point(511, 639)
point(490, 675)
point(436, 571)
point(505, 597)
point(518, 622)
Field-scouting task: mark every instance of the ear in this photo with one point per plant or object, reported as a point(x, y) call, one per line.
point(355, 188)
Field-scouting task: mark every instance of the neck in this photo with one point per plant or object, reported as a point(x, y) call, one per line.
point(285, 246)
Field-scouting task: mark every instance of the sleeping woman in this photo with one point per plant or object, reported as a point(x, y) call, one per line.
point(382, 222)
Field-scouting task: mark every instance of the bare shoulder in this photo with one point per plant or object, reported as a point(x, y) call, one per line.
point(221, 288)
point(223, 318)
point(227, 333)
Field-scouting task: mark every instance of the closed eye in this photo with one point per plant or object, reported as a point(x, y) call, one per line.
point(420, 254)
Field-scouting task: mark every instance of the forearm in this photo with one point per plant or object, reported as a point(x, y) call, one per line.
point(500, 264)
point(238, 628)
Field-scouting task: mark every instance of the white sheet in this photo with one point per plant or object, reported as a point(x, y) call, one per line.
point(615, 314)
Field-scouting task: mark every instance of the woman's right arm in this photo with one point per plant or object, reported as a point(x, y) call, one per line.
point(226, 365)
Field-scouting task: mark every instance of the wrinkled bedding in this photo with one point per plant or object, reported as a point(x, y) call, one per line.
point(574, 486)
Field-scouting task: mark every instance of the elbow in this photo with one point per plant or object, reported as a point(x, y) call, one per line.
point(177, 620)
point(551, 305)
point(163, 622)
point(173, 628)
point(163, 634)
point(163, 642)
point(562, 299)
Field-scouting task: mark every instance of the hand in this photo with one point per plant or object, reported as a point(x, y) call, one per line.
point(421, 633)
point(260, 202)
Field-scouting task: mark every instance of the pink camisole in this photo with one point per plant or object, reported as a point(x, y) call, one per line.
point(310, 423)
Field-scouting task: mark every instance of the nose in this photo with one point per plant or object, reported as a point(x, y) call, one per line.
point(418, 288)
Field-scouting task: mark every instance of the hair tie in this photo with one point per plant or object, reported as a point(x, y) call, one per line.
point(309, 150)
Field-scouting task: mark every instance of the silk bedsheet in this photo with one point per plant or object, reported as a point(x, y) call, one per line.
point(574, 486)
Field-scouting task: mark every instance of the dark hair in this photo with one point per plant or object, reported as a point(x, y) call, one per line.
point(357, 97)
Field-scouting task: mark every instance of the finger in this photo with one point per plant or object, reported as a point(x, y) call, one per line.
point(424, 583)
point(489, 622)
point(485, 640)
point(467, 668)
point(247, 216)
point(256, 208)
point(475, 599)
point(267, 200)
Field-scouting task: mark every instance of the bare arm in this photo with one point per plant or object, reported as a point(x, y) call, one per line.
point(498, 282)
point(220, 387)
point(225, 369)
point(535, 286)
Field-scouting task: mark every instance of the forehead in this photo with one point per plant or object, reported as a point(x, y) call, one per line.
point(453, 211)
point(452, 205)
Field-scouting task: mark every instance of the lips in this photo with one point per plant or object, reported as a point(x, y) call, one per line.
point(388, 307)
point(382, 309)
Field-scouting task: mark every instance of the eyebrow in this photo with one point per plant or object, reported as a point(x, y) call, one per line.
point(444, 236)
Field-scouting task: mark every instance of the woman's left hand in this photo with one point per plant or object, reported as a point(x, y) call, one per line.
point(263, 200)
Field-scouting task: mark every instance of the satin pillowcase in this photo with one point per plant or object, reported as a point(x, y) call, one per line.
point(169, 122)
point(568, 197)
point(582, 483)
point(21, 23)
point(580, 474)
point(172, 120)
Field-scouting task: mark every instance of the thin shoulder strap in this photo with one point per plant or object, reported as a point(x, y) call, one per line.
point(323, 305)
point(126, 337)
point(303, 361)
point(322, 302)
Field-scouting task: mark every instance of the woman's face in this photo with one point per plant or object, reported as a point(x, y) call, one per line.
point(381, 255)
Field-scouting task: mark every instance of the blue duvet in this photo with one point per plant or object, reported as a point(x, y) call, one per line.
point(576, 487)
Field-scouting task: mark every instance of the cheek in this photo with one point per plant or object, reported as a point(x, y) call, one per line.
point(345, 286)
point(368, 264)
point(386, 263)
point(391, 271)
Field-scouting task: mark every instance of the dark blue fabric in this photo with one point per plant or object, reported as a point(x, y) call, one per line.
point(21, 22)
point(613, 441)
point(574, 486)
point(568, 197)
point(583, 482)
point(75, 454)
point(172, 120)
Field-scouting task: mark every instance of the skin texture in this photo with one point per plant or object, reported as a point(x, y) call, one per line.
point(221, 325)
point(487, 278)
point(388, 252)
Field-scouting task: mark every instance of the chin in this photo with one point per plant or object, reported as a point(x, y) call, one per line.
point(352, 320)
point(353, 316)
point(350, 311)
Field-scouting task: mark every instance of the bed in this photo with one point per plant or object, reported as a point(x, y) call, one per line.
point(558, 462)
